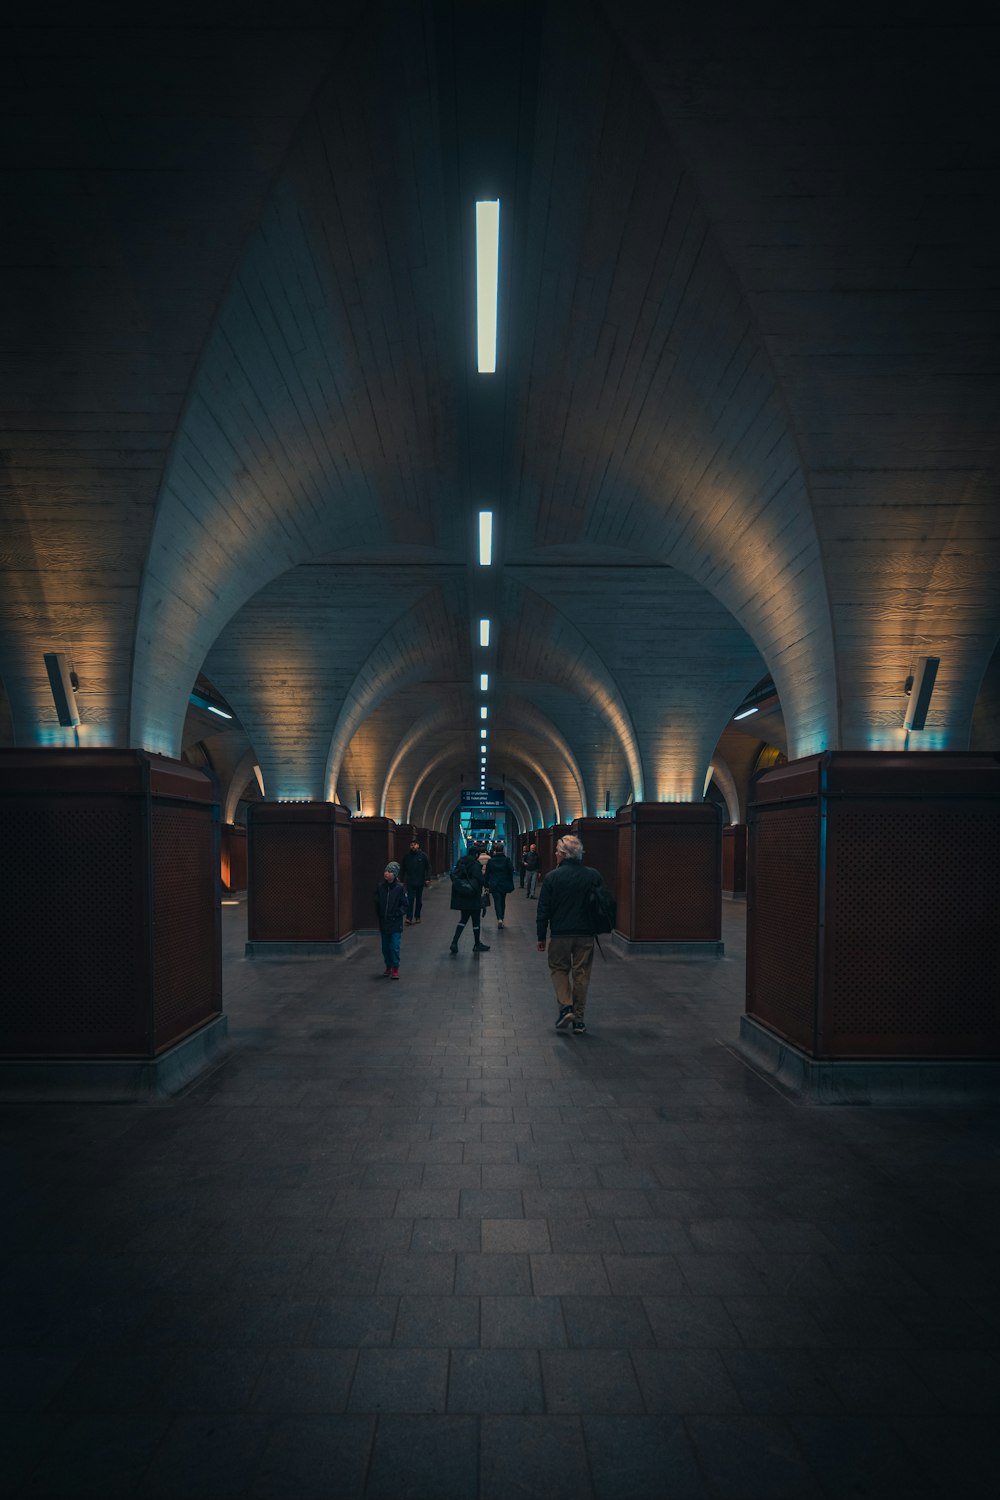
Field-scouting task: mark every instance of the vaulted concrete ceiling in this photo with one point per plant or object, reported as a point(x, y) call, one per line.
point(744, 421)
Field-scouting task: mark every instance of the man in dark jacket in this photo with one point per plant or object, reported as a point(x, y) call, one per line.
point(416, 872)
point(499, 881)
point(564, 905)
point(390, 908)
point(531, 866)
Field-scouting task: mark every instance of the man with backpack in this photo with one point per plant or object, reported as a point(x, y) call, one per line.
point(575, 904)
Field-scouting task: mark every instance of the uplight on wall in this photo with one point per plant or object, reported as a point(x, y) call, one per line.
point(487, 267)
point(482, 734)
point(483, 711)
point(485, 538)
point(484, 632)
point(484, 682)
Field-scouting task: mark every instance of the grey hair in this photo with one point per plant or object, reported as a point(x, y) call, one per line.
point(569, 847)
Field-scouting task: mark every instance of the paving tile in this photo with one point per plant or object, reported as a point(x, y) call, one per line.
point(685, 1380)
point(644, 1275)
point(206, 1455)
point(495, 1380)
point(752, 1458)
point(614, 1203)
point(775, 1322)
point(415, 1458)
point(522, 1323)
point(411, 1275)
point(514, 1236)
point(606, 1323)
point(687, 1322)
point(565, 1275)
point(558, 1202)
point(95, 1455)
point(641, 1458)
point(493, 1275)
point(438, 1322)
point(440, 1236)
point(304, 1380)
point(589, 1380)
point(492, 1203)
point(353, 1322)
point(781, 1381)
point(210, 1379)
point(400, 1380)
point(864, 1456)
point(524, 1457)
point(653, 1236)
point(303, 1453)
point(584, 1236)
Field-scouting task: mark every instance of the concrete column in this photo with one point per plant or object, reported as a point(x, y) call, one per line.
point(109, 924)
point(299, 896)
point(669, 891)
point(734, 861)
point(873, 931)
point(373, 843)
point(233, 856)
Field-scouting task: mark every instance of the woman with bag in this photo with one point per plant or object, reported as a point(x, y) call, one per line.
point(500, 881)
point(467, 898)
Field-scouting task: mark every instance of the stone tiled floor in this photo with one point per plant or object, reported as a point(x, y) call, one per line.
point(411, 1242)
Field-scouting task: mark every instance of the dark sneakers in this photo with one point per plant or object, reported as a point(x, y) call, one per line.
point(578, 1028)
point(565, 1017)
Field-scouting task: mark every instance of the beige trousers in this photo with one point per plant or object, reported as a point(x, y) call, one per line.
point(570, 962)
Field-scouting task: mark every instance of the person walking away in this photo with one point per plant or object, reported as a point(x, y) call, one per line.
point(500, 881)
point(391, 908)
point(524, 853)
point(467, 899)
point(416, 873)
point(564, 906)
point(531, 865)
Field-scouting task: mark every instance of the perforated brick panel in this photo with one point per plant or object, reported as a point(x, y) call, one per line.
point(677, 883)
point(599, 837)
point(187, 987)
point(233, 857)
point(371, 848)
point(911, 962)
point(623, 882)
point(292, 895)
point(72, 885)
point(345, 888)
point(734, 858)
point(782, 920)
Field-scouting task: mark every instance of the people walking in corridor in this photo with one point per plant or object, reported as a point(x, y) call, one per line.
point(467, 899)
point(565, 905)
point(531, 866)
point(499, 881)
point(391, 908)
point(523, 871)
point(416, 871)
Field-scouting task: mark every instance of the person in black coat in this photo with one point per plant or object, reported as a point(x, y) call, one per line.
point(499, 881)
point(416, 872)
point(467, 898)
point(391, 908)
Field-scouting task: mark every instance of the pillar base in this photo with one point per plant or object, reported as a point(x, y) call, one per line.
point(342, 948)
point(902, 1084)
point(115, 1080)
point(687, 948)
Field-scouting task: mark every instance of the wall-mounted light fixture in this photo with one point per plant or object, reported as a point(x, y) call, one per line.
point(920, 687)
point(212, 708)
point(484, 682)
point(358, 797)
point(484, 632)
point(744, 714)
point(64, 684)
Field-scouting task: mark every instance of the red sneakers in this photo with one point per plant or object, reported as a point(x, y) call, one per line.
point(393, 973)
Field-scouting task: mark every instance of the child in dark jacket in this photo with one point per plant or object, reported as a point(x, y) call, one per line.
point(391, 906)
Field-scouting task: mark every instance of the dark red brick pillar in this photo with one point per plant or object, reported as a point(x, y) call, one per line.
point(109, 923)
point(299, 896)
point(873, 907)
point(373, 841)
point(734, 860)
point(599, 837)
point(669, 890)
point(545, 840)
point(233, 856)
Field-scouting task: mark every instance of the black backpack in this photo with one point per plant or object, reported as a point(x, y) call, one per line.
point(465, 888)
point(602, 908)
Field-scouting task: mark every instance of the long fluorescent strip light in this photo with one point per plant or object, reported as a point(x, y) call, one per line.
point(485, 538)
point(484, 632)
point(487, 264)
point(484, 682)
point(745, 714)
